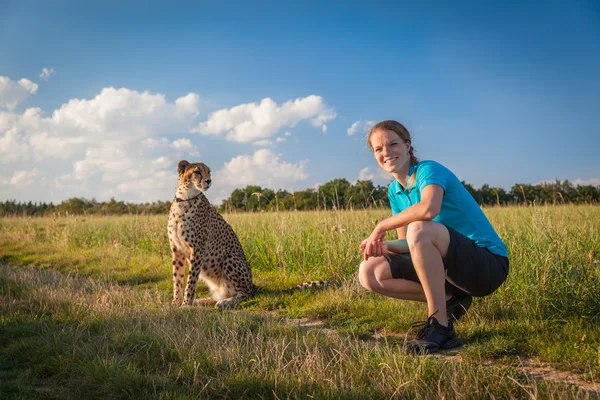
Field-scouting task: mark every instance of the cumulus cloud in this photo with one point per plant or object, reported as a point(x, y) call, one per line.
point(117, 111)
point(360, 126)
point(154, 143)
point(112, 139)
point(185, 145)
point(586, 182)
point(13, 93)
point(46, 72)
point(365, 175)
point(378, 176)
point(263, 168)
point(353, 128)
point(162, 162)
point(121, 117)
point(23, 178)
point(159, 182)
point(182, 145)
point(247, 122)
point(188, 104)
point(118, 143)
point(28, 85)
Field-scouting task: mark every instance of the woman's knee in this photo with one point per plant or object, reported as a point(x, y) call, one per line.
point(417, 231)
point(366, 273)
point(420, 232)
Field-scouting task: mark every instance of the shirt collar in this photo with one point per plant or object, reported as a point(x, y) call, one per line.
point(399, 189)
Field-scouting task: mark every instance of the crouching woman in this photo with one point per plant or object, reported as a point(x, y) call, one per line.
point(447, 250)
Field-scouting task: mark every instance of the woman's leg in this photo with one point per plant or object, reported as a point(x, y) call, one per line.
point(428, 243)
point(375, 275)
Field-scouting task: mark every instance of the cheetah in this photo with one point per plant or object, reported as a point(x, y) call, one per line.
point(200, 236)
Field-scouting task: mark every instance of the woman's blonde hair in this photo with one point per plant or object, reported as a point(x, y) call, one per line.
point(402, 132)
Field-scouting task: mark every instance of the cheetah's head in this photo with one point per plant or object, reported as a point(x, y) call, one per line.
point(194, 177)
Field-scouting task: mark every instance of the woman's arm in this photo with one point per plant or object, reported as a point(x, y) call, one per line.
point(399, 245)
point(427, 209)
point(396, 246)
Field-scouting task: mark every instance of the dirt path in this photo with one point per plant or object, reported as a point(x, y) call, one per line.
point(532, 369)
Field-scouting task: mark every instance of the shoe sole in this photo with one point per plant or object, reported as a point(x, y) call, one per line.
point(418, 349)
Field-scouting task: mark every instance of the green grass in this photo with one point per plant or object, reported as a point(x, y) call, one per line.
point(92, 318)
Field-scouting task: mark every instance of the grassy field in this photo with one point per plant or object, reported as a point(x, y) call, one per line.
point(85, 313)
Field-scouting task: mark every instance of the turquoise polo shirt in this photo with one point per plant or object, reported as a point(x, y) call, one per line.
point(459, 210)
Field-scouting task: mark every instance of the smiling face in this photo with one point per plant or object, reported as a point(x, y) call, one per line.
point(391, 152)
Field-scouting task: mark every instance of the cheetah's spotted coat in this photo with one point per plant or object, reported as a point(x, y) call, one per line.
point(199, 235)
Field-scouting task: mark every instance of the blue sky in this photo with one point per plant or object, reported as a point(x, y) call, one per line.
point(266, 93)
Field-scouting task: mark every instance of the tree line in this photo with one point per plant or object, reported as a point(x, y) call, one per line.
point(336, 194)
point(341, 194)
point(81, 206)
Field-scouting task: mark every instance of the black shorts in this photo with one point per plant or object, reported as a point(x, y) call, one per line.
point(470, 269)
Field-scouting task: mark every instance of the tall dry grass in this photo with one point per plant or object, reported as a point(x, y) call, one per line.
point(94, 315)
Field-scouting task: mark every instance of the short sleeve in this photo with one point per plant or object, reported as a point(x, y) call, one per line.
point(431, 173)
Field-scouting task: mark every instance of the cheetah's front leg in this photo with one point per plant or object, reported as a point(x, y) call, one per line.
point(178, 274)
point(192, 283)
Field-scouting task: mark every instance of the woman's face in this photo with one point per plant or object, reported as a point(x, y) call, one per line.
point(391, 152)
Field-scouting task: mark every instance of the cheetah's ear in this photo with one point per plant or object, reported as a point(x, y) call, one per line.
point(182, 166)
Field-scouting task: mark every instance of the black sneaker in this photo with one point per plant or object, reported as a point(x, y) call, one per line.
point(432, 337)
point(457, 306)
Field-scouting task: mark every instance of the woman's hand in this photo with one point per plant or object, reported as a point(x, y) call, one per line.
point(373, 245)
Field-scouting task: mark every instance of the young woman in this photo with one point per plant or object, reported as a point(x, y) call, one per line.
point(447, 251)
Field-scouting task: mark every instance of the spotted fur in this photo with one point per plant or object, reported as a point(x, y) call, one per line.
point(200, 237)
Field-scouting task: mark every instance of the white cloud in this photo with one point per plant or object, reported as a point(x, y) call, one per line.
point(122, 117)
point(263, 168)
point(162, 162)
point(247, 122)
point(585, 182)
point(107, 158)
point(114, 112)
point(13, 93)
point(263, 143)
point(279, 139)
point(159, 183)
point(185, 145)
point(12, 147)
point(116, 144)
point(153, 143)
point(365, 175)
point(360, 126)
point(23, 178)
point(28, 85)
point(46, 72)
point(181, 145)
point(353, 128)
point(45, 146)
point(111, 140)
point(188, 104)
